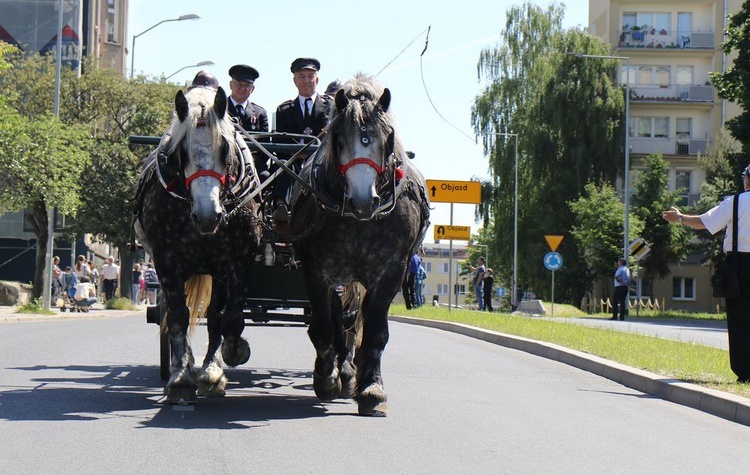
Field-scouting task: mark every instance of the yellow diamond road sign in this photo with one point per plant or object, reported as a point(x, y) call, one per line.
point(443, 191)
point(444, 231)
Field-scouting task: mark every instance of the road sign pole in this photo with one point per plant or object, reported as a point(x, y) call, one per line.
point(450, 267)
point(553, 293)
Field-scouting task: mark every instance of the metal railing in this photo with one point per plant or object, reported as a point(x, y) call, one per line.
point(666, 39)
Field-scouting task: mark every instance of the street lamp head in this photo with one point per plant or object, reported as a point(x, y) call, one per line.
point(190, 16)
point(204, 63)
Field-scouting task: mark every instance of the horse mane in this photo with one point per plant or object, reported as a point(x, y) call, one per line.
point(347, 121)
point(200, 106)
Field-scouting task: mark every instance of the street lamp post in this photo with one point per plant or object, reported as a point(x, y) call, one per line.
point(198, 65)
point(514, 281)
point(626, 180)
point(190, 16)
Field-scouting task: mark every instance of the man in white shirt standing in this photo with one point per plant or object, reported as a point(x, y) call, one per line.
point(111, 278)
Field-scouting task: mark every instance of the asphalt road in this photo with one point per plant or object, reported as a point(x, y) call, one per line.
point(83, 396)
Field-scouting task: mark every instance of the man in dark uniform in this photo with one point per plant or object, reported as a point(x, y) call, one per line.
point(250, 115)
point(305, 114)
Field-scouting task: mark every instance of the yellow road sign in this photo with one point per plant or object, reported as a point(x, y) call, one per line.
point(460, 233)
point(553, 241)
point(444, 191)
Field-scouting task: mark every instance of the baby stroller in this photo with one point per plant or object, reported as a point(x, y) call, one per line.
point(67, 299)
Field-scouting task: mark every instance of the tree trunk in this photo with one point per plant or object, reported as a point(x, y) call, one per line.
point(40, 223)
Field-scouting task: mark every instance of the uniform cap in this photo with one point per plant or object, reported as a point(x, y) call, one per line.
point(333, 87)
point(305, 63)
point(205, 79)
point(243, 72)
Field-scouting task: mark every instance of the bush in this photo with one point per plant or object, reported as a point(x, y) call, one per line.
point(34, 306)
point(119, 303)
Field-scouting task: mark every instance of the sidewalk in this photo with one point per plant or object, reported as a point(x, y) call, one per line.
point(9, 314)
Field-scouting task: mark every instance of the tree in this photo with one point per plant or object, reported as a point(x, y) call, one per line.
point(569, 118)
point(41, 161)
point(734, 83)
point(668, 243)
point(110, 108)
point(599, 221)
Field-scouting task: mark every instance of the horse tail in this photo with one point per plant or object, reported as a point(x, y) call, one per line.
point(198, 290)
point(351, 301)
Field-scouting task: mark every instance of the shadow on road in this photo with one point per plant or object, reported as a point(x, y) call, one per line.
point(254, 398)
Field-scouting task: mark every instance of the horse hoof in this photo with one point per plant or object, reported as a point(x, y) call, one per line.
point(327, 388)
point(348, 377)
point(212, 382)
point(235, 355)
point(372, 401)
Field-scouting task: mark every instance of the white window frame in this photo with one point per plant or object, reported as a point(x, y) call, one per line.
point(682, 297)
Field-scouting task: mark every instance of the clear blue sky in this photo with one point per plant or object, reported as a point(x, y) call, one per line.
point(348, 38)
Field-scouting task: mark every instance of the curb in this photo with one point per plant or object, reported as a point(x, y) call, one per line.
point(727, 406)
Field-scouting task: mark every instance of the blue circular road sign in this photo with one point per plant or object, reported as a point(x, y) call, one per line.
point(553, 260)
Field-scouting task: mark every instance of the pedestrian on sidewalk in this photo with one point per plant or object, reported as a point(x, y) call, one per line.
point(622, 285)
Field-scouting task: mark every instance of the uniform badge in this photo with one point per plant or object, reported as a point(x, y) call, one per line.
point(307, 131)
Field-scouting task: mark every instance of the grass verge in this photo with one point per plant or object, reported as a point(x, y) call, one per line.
point(698, 364)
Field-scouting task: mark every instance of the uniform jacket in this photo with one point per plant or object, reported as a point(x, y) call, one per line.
point(255, 120)
point(289, 116)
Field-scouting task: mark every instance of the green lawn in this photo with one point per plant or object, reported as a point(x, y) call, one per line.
point(698, 364)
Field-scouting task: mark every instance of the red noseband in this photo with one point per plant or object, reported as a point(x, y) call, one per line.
point(200, 173)
point(366, 161)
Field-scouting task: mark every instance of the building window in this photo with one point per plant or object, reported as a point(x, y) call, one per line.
point(682, 185)
point(683, 128)
point(442, 289)
point(427, 266)
point(444, 268)
point(649, 127)
point(652, 75)
point(110, 25)
point(683, 288)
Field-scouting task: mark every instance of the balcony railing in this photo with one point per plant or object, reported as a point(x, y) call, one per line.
point(667, 146)
point(672, 93)
point(666, 39)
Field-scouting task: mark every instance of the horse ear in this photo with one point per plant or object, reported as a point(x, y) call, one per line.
point(181, 106)
point(341, 100)
point(220, 103)
point(385, 100)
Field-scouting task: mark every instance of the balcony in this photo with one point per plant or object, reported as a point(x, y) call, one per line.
point(639, 93)
point(668, 146)
point(664, 39)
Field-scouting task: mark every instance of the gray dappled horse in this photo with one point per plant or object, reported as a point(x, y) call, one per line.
point(189, 218)
point(362, 217)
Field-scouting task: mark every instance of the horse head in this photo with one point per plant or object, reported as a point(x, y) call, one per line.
point(363, 142)
point(201, 146)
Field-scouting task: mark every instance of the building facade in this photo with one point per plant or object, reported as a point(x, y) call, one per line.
point(672, 47)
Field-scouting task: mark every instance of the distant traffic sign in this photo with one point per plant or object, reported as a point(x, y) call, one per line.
point(638, 249)
point(444, 231)
point(553, 241)
point(553, 261)
point(442, 191)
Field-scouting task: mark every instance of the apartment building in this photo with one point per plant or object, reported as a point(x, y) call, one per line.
point(672, 46)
